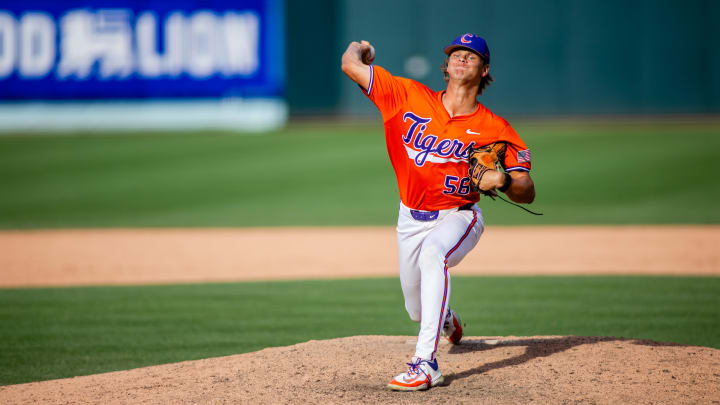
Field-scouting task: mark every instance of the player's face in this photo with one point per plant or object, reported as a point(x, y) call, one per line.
point(466, 66)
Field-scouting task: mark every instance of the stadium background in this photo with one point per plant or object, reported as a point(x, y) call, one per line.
point(618, 101)
point(552, 57)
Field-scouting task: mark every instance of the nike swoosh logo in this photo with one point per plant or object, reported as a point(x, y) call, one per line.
point(472, 133)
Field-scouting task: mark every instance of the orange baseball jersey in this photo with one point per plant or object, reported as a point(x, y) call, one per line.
point(428, 149)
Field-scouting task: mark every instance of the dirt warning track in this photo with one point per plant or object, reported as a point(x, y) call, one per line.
point(150, 256)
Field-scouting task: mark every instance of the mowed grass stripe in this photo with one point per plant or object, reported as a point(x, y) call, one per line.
point(306, 175)
point(63, 332)
point(286, 178)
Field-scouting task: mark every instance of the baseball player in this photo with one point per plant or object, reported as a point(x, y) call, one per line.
point(429, 136)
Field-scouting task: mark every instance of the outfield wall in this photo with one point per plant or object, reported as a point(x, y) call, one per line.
point(560, 57)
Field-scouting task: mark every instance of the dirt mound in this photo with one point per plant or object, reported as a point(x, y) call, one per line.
point(506, 370)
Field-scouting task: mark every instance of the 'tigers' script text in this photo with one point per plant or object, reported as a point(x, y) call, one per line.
point(447, 149)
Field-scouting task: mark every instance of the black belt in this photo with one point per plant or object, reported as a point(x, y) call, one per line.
point(466, 207)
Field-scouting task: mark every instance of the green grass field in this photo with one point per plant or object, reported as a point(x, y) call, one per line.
point(585, 173)
point(63, 332)
point(333, 175)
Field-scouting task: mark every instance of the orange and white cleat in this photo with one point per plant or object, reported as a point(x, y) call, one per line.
point(421, 375)
point(453, 329)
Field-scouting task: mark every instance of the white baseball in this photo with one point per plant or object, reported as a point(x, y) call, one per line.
point(368, 55)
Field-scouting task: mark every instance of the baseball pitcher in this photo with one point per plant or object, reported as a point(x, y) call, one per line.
point(447, 150)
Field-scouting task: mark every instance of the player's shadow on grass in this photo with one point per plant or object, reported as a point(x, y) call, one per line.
point(538, 347)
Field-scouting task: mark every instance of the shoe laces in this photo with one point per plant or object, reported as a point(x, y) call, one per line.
point(415, 368)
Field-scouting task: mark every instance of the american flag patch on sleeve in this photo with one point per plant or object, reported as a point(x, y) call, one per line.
point(524, 156)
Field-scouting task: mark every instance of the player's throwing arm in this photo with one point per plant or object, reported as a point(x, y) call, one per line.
point(356, 61)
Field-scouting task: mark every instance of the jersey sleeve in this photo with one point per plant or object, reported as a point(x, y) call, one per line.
point(517, 155)
point(386, 91)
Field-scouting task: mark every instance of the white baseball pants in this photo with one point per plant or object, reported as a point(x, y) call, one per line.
point(427, 248)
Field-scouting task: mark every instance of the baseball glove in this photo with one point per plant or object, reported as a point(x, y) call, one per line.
point(483, 159)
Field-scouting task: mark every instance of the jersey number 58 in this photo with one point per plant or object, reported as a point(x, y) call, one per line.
point(456, 185)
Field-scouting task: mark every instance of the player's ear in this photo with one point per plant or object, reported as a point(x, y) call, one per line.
point(485, 70)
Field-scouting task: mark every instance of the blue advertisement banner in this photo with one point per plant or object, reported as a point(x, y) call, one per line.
point(123, 49)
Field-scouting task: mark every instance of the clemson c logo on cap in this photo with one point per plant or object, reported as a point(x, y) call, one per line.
point(464, 39)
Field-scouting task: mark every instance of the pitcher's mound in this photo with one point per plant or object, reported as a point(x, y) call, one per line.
point(357, 369)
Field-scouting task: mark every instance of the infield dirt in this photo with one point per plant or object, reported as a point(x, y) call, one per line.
point(157, 256)
point(498, 370)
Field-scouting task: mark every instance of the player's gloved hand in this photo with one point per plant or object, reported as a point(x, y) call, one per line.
point(483, 169)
